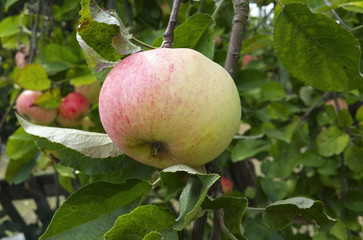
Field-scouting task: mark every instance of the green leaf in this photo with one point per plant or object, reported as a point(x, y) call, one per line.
point(249, 148)
point(250, 79)
point(153, 236)
point(285, 134)
point(339, 231)
point(55, 58)
point(80, 75)
point(354, 201)
point(92, 153)
point(9, 3)
point(353, 6)
point(353, 157)
point(256, 42)
point(140, 222)
point(344, 118)
point(196, 188)
point(49, 99)
point(233, 207)
point(317, 50)
point(359, 114)
point(295, 210)
point(274, 189)
point(278, 111)
point(20, 145)
point(9, 26)
point(331, 141)
point(92, 210)
point(91, 144)
point(272, 91)
point(33, 77)
point(196, 33)
point(18, 170)
point(103, 36)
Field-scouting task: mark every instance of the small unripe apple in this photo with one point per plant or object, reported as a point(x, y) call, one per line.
point(73, 109)
point(35, 114)
point(227, 185)
point(342, 104)
point(90, 91)
point(165, 107)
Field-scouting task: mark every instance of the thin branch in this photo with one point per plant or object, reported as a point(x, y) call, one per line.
point(241, 9)
point(198, 227)
point(252, 209)
point(312, 108)
point(340, 20)
point(168, 41)
point(249, 137)
point(200, 6)
point(2, 123)
point(344, 183)
point(34, 38)
point(218, 8)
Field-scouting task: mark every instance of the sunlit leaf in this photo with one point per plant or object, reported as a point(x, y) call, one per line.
point(34, 77)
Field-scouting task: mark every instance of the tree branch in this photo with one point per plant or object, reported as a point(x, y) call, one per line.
point(168, 41)
point(241, 9)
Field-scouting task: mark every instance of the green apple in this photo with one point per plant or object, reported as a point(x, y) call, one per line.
point(73, 109)
point(35, 114)
point(90, 91)
point(165, 107)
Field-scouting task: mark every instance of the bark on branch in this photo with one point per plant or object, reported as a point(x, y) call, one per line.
point(241, 9)
point(168, 41)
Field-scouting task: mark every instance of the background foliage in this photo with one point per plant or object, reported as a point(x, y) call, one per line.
point(302, 146)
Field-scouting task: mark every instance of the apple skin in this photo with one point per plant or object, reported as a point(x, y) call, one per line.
point(165, 107)
point(90, 91)
point(73, 109)
point(34, 114)
point(342, 104)
point(227, 185)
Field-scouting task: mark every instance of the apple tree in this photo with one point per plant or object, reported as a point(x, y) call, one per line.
point(293, 167)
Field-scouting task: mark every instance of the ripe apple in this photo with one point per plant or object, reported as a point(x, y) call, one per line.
point(73, 109)
point(342, 104)
point(90, 91)
point(227, 185)
point(165, 107)
point(33, 113)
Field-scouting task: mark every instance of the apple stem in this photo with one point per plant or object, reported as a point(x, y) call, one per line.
point(156, 148)
point(168, 35)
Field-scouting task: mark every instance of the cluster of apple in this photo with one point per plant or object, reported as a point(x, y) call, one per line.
point(72, 111)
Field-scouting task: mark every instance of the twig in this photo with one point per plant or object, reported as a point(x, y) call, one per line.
point(198, 227)
point(252, 209)
point(34, 38)
point(2, 123)
point(312, 108)
point(249, 137)
point(200, 6)
point(345, 185)
point(218, 8)
point(241, 9)
point(340, 20)
point(168, 41)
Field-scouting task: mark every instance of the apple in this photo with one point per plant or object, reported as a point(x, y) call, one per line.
point(227, 185)
point(20, 59)
point(165, 107)
point(73, 109)
point(342, 104)
point(90, 91)
point(35, 114)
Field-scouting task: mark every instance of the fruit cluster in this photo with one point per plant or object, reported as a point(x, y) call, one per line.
point(71, 112)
